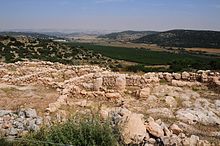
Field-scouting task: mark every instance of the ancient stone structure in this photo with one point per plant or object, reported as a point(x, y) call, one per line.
point(166, 95)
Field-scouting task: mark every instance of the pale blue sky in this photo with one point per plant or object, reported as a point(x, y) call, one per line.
point(110, 14)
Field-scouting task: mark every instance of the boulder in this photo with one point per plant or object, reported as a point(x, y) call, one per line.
point(170, 101)
point(133, 130)
point(203, 143)
point(163, 112)
point(168, 77)
point(187, 104)
point(150, 75)
point(144, 93)
point(5, 112)
point(216, 80)
point(217, 103)
point(155, 129)
point(53, 107)
point(151, 98)
point(175, 129)
point(185, 75)
point(88, 86)
point(200, 115)
point(30, 113)
point(113, 95)
point(204, 77)
point(172, 140)
point(39, 121)
point(98, 83)
point(184, 96)
point(201, 103)
point(177, 76)
point(180, 83)
point(192, 141)
point(62, 99)
point(120, 83)
point(13, 131)
point(160, 75)
point(104, 113)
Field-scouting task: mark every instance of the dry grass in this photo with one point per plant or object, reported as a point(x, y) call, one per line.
point(208, 50)
point(39, 97)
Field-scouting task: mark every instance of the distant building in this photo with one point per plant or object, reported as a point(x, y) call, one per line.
point(60, 40)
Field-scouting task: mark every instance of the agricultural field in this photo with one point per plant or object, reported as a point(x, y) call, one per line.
point(148, 57)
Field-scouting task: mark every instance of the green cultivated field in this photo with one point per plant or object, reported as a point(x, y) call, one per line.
point(146, 57)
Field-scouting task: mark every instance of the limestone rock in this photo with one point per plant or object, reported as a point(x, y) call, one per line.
point(185, 75)
point(170, 101)
point(180, 83)
point(203, 143)
point(175, 129)
point(4, 112)
point(30, 113)
point(168, 77)
point(104, 114)
point(53, 107)
point(154, 129)
point(113, 95)
point(151, 98)
point(200, 115)
point(177, 76)
point(120, 84)
point(13, 131)
point(133, 130)
point(217, 103)
point(39, 121)
point(145, 92)
point(172, 140)
point(98, 84)
point(163, 112)
point(192, 141)
point(204, 77)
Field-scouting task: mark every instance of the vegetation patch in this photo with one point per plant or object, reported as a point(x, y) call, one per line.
point(177, 61)
point(77, 131)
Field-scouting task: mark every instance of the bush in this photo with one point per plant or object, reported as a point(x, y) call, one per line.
point(83, 132)
point(189, 65)
point(4, 142)
point(142, 68)
point(135, 68)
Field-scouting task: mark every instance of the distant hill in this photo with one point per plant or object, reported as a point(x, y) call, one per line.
point(127, 35)
point(183, 38)
point(28, 34)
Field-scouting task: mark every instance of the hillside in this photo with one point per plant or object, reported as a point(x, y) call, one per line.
point(127, 35)
point(28, 34)
point(183, 38)
point(22, 48)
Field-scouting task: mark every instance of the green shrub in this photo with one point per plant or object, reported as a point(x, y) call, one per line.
point(82, 132)
point(4, 142)
point(142, 68)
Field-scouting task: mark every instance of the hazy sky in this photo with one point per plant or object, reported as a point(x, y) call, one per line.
point(110, 14)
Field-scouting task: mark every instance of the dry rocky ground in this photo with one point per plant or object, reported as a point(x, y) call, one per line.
point(151, 109)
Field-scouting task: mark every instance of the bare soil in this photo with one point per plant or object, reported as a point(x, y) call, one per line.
point(13, 97)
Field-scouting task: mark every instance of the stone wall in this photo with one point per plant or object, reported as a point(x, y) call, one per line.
point(18, 123)
point(92, 80)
